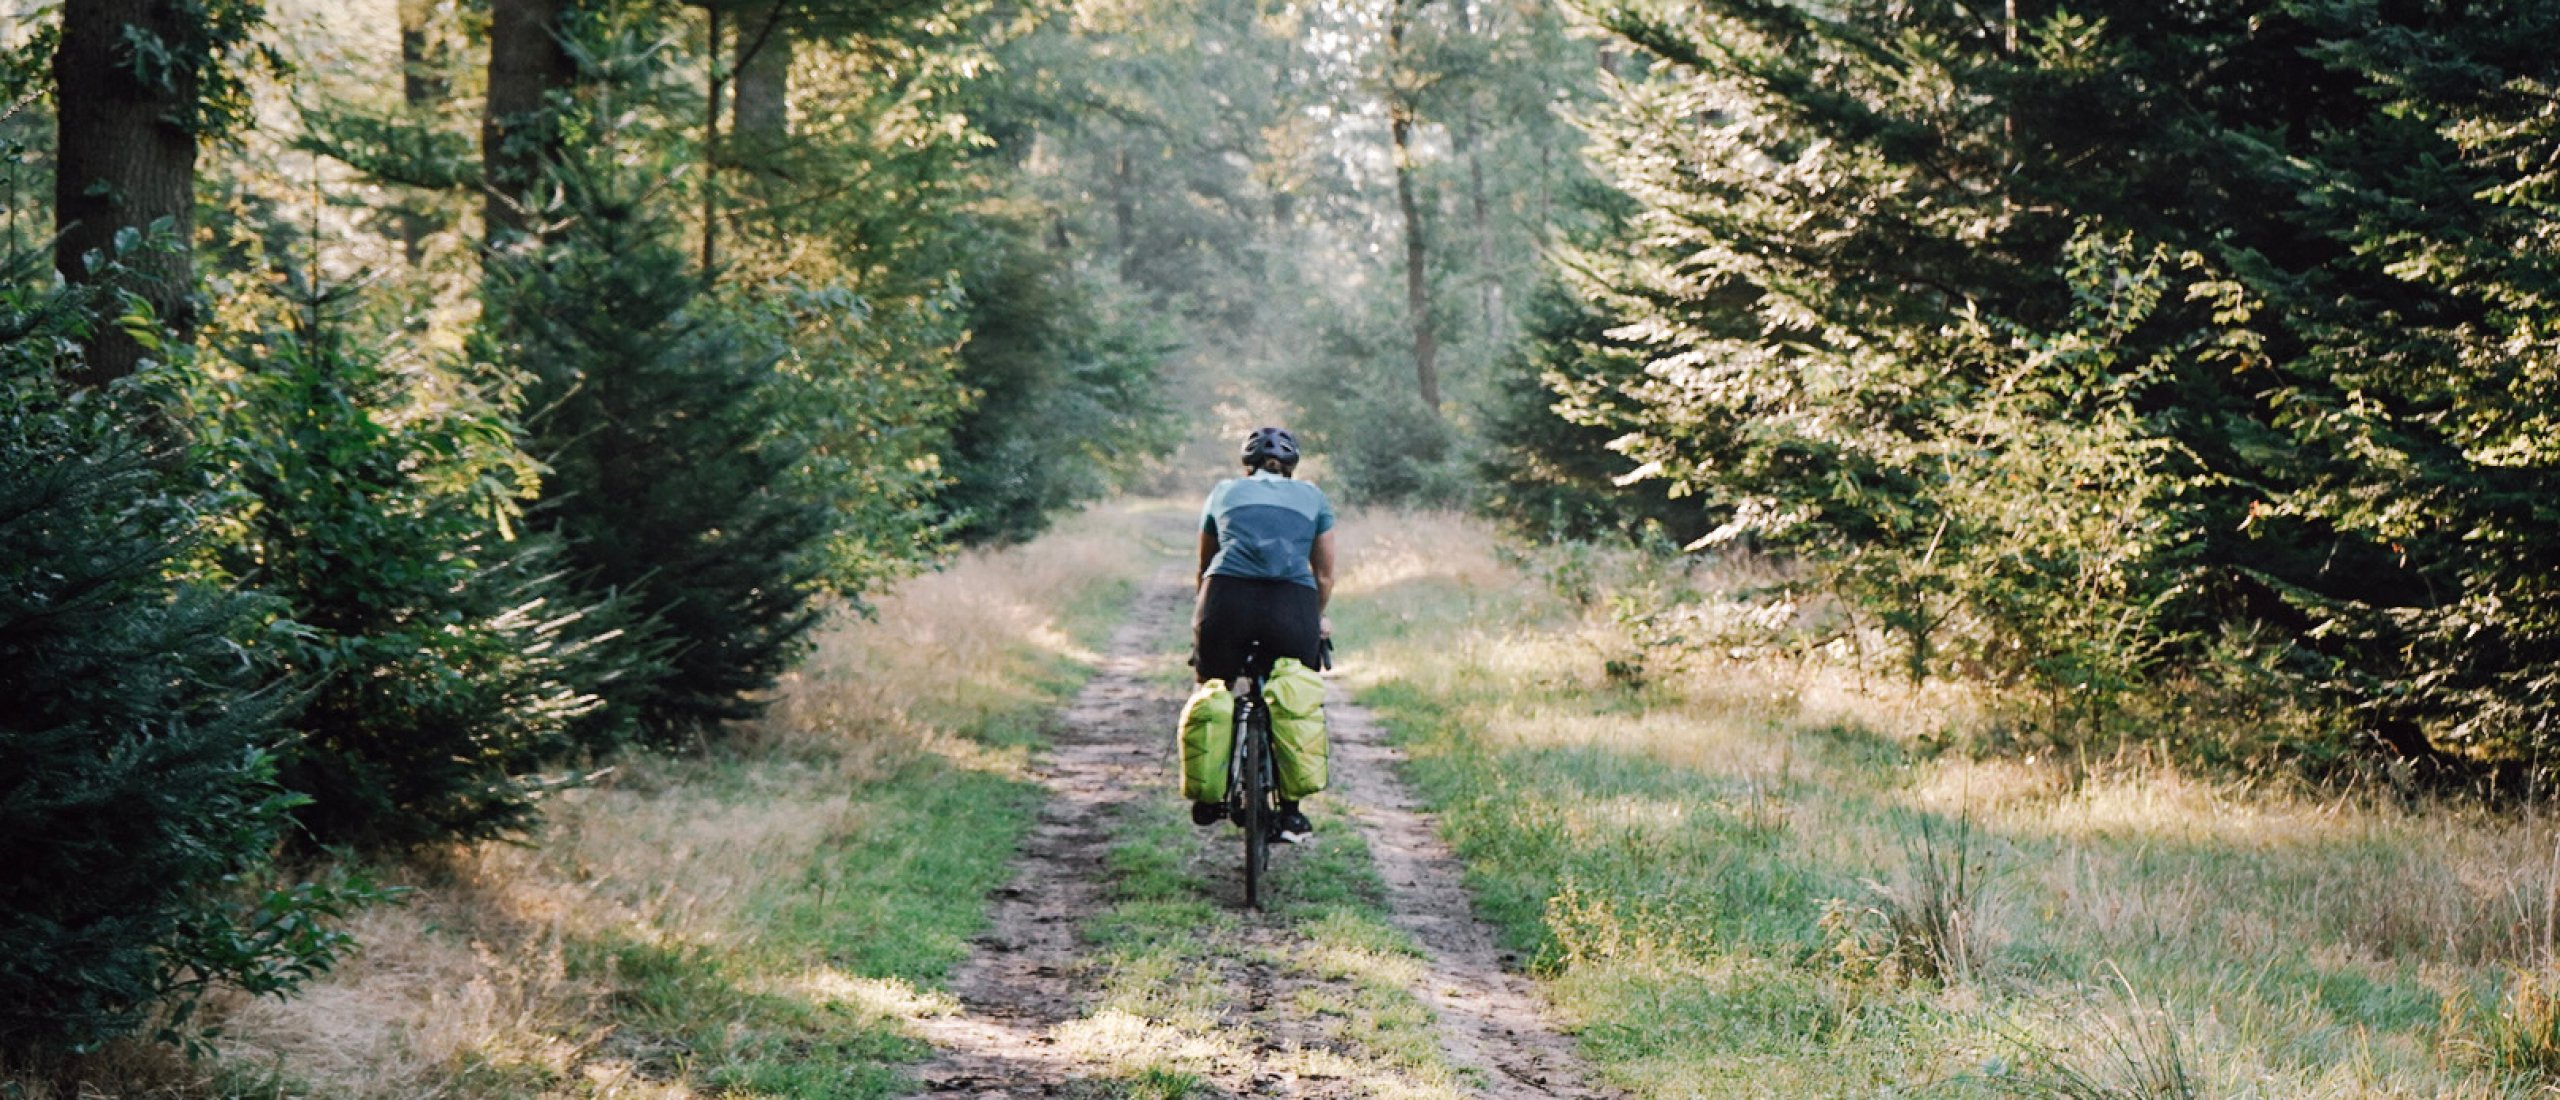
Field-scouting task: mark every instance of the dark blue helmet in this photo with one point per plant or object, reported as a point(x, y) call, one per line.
point(1270, 444)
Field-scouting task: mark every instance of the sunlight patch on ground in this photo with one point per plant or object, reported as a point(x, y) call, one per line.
point(1129, 1041)
point(887, 997)
point(1711, 850)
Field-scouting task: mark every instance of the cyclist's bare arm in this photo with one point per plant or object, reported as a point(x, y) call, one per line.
point(1208, 553)
point(1320, 559)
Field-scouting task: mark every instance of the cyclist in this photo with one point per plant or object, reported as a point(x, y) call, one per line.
point(1266, 574)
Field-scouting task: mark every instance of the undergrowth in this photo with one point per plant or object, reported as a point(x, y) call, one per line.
point(1764, 869)
point(764, 920)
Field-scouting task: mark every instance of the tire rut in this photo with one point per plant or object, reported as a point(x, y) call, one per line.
point(1490, 1020)
point(1028, 993)
point(1021, 981)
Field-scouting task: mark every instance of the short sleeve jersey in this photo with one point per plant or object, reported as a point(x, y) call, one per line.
point(1266, 524)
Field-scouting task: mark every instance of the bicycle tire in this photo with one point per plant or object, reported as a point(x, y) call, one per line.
point(1256, 751)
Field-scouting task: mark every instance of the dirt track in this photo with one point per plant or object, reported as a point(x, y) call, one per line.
point(1030, 982)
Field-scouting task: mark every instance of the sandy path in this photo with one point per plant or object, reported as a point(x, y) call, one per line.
point(1489, 1018)
point(1029, 981)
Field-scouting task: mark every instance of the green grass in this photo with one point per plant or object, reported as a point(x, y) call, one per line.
point(811, 1000)
point(1704, 873)
point(765, 919)
point(1170, 953)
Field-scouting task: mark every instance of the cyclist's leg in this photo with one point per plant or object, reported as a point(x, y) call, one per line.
point(1217, 651)
point(1221, 626)
point(1293, 627)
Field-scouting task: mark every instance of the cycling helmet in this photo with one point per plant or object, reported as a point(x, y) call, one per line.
point(1270, 444)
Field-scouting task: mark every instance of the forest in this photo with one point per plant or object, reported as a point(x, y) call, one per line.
point(424, 421)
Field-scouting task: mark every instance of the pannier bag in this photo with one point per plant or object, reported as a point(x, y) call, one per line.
point(1208, 737)
point(1296, 695)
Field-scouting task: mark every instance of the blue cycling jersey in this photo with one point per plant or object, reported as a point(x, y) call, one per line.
point(1266, 525)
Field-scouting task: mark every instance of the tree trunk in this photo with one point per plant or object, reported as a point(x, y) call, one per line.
point(1471, 131)
point(527, 63)
point(425, 82)
point(760, 117)
point(1488, 281)
point(1124, 211)
point(1417, 280)
point(123, 162)
point(714, 80)
point(1417, 277)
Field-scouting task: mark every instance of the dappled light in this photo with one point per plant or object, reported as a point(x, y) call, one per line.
point(1279, 550)
point(1673, 846)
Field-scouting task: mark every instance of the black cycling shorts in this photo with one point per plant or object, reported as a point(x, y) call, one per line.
point(1234, 612)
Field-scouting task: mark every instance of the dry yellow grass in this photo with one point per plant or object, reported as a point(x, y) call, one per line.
point(469, 989)
point(2305, 943)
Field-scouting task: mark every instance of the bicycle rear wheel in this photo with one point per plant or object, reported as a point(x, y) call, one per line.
point(1254, 745)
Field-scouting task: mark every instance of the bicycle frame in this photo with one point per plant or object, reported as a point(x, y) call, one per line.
point(1252, 776)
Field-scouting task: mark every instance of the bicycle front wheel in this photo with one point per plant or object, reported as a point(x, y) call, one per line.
point(1254, 744)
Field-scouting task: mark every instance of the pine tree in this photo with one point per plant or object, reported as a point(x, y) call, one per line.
point(137, 766)
point(668, 481)
point(1065, 394)
point(444, 663)
point(1557, 406)
point(1915, 287)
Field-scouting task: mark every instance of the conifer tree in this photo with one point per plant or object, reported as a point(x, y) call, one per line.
point(444, 662)
point(137, 763)
point(668, 481)
point(1919, 289)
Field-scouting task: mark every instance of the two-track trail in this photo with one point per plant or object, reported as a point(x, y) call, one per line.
point(1040, 1014)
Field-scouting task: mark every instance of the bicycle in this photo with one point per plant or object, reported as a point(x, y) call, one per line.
point(1253, 776)
point(1253, 782)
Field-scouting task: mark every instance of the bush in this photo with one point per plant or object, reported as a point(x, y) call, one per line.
point(446, 665)
point(1364, 419)
point(137, 784)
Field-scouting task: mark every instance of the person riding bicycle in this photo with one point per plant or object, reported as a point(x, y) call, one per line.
point(1266, 574)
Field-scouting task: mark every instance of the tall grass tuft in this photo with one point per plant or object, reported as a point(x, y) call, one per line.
point(1933, 915)
point(2520, 1039)
point(2136, 1056)
point(1926, 927)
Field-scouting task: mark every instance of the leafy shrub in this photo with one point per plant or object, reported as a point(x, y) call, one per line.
point(1363, 417)
point(874, 394)
point(445, 662)
point(137, 775)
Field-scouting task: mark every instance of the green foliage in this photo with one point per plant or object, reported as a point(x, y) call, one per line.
point(1066, 394)
point(136, 739)
point(1359, 412)
point(656, 414)
point(2071, 345)
point(870, 394)
point(446, 661)
point(1556, 406)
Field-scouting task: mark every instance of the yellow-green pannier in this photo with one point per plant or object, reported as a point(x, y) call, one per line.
point(1208, 736)
point(1296, 695)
